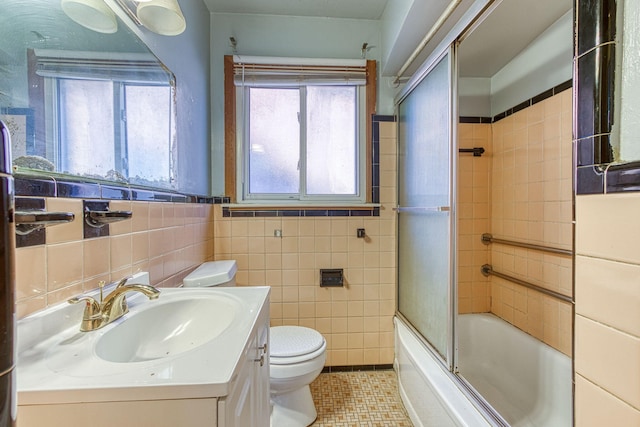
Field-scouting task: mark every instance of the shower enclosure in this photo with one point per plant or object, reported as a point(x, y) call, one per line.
point(485, 232)
point(425, 214)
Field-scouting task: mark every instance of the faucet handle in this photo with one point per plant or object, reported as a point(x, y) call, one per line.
point(92, 306)
point(92, 314)
point(122, 281)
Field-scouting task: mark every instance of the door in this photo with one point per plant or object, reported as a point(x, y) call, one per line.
point(425, 208)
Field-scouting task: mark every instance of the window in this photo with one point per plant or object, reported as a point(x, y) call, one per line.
point(300, 136)
point(302, 143)
point(108, 116)
point(128, 130)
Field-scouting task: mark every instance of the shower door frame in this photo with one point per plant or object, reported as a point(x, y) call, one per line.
point(449, 362)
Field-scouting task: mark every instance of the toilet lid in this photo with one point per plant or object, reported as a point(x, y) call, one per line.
point(291, 341)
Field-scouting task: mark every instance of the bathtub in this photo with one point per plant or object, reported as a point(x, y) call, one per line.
point(429, 392)
point(528, 382)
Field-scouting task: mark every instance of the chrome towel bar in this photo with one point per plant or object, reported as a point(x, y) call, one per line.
point(487, 238)
point(28, 221)
point(487, 271)
point(101, 218)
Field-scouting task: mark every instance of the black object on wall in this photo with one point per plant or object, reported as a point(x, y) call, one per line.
point(331, 277)
point(8, 404)
point(594, 86)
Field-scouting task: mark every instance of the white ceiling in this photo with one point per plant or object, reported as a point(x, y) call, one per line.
point(512, 26)
point(355, 9)
point(507, 31)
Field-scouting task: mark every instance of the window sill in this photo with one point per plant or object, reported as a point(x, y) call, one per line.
point(299, 205)
point(300, 210)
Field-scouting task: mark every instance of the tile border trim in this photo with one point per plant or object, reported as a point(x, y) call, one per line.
point(357, 368)
point(525, 104)
point(38, 186)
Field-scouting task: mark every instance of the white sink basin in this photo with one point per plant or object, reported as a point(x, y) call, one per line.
point(186, 344)
point(167, 328)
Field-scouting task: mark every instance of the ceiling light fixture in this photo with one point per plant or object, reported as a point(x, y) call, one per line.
point(92, 14)
point(160, 16)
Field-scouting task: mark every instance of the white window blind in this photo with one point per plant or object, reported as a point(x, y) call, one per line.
point(124, 67)
point(274, 71)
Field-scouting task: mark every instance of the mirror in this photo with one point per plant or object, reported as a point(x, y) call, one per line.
point(90, 103)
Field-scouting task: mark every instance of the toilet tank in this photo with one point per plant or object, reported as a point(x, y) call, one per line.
point(213, 273)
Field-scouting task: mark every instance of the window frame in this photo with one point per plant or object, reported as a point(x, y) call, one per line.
point(121, 162)
point(233, 134)
point(46, 68)
point(243, 173)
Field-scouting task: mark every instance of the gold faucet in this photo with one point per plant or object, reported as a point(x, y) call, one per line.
point(113, 306)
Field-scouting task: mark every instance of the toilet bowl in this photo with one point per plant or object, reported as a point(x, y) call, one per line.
point(296, 358)
point(296, 355)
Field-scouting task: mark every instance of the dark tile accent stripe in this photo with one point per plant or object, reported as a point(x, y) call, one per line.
point(375, 155)
point(90, 232)
point(142, 195)
point(36, 237)
point(31, 186)
point(589, 180)
point(231, 213)
point(266, 213)
point(356, 368)
point(114, 193)
point(563, 86)
point(541, 97)
point(597, 23)
point(384, 118)
point(525, 104)
point(35, 186)
point(521, 106)
point(595, 107)
point(29, 204)
point(623, 177)
point(78, 190)
point(476, 120)
point(594, 65)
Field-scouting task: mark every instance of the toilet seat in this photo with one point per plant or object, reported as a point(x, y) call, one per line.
point(295, 344)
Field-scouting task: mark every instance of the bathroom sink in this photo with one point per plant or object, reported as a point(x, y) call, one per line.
point(167, 328)
point(184, 345)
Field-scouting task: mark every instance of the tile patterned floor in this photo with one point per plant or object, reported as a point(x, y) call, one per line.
point(358, 399)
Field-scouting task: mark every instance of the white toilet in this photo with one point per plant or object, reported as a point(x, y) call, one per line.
point(296, 355)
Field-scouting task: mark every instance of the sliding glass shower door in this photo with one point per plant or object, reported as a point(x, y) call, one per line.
point(424, 211)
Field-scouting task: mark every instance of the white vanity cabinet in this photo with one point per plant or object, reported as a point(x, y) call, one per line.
point(247, 403)
point(224, 381)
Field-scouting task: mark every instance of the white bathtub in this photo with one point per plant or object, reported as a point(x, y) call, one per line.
point(528, 382)
point(428, 391)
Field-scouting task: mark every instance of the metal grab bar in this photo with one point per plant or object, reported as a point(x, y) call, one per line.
point(487, 271)
point(422, 209)
point(488, 238)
